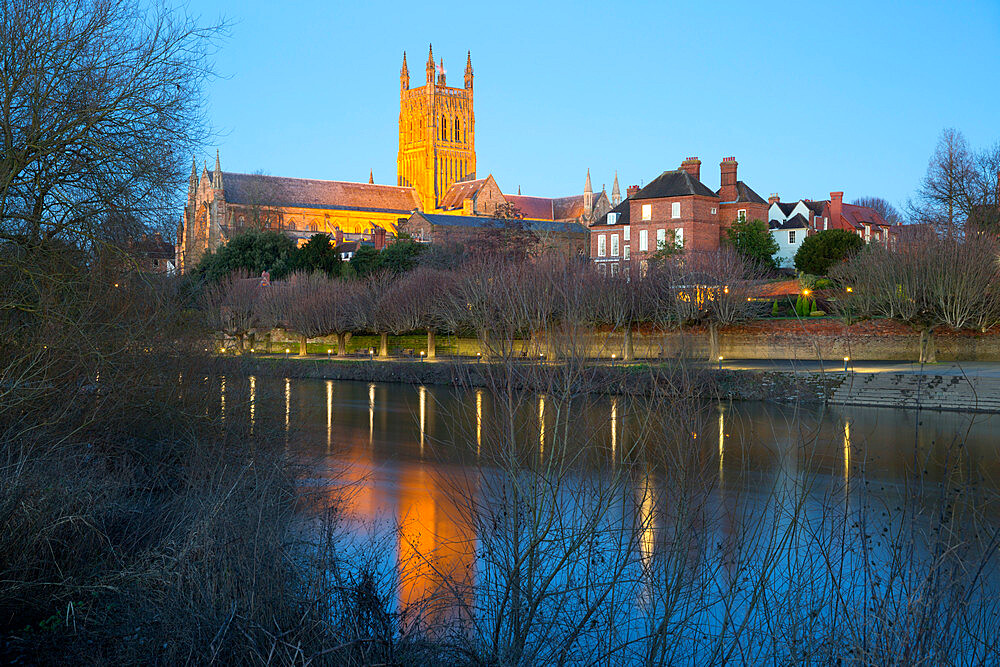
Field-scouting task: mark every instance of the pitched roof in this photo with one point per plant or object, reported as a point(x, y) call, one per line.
point(677, 183)
point(257, 189)
point(797, 221)
point(569, 208)
point(856, 215)
point(815, 206)
point(444, 220)
point(744, 193)
point(622, 211)
point(459, 192)
point(787, 206)
point(539, 208)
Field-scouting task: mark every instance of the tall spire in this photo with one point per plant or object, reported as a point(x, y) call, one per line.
point(441, 80)
point(217, 174)
point(430, 64)
point(468, 71)
point(616, 194)
point(193, 180)
point(588, 196)
point(404, 75)
point(371, 175)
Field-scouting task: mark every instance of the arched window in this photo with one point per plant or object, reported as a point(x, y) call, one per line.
point(458, 129)
point(444, 128)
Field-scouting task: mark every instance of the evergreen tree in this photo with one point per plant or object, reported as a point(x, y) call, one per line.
point(754, 242)
point(819, 252)
point(253, 251)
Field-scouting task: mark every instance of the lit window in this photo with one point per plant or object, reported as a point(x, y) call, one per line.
point(675, 210)
point(791, 237)
point(643, 240)
point(647, 211)
point(661, 238)
point(602, 245)
point(625, 231)
point(614, 245)
point(741, 215)
point(625, 252)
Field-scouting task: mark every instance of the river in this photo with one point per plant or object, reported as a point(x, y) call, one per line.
point(828, 505)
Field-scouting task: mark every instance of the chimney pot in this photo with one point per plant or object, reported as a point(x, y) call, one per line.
point(692, 165)
point(774, 198)
point(728, 179)
point(631, 190)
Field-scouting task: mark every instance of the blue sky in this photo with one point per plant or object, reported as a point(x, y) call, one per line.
point(809, 97)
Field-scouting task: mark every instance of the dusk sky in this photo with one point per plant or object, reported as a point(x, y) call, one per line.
point(809, 97)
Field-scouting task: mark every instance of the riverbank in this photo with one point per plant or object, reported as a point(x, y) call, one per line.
point(690, 380)
point(972, 387)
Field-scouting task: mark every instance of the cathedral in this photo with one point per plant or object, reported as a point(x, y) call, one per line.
point(435, 173)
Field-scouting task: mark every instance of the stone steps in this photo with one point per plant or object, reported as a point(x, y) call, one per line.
point(915, 390)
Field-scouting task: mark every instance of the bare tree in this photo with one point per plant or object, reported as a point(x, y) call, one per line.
point(926, 282)
point(943, 197)
point(235, 306)
point(100, 103)
point(881, 206)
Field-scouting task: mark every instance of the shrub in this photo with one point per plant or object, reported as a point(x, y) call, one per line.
point(819, 252)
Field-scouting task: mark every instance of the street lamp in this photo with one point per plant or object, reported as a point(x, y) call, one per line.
point(422, 353)
point(329, 353)
point(846, 359)
point(850, 289)
point(286, 352)
point(479, 356)
point(613, 357)
point(371, 353)
point(720, 362)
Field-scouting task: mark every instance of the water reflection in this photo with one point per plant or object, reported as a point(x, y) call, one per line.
point(614, 427)
point(222, 397)
point(329, 414)
point(396, 479)
point(253, 402)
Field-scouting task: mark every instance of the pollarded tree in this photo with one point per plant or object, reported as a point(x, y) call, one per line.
point(927, 282)
point(376, 313)
point(314, 305)
point(235, 306)
point(821, 251)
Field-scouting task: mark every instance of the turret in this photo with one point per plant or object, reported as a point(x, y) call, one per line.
point(588, 196)
point(404, 75)
point(468, 71)
point(616, 194)
point(430, 64)
point(441, 80)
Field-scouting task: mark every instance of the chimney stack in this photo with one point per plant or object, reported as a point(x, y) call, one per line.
point(631, 191)
point(339, 236)
point(773, 199)
point(692, 165)
point(836, 209)
point(728, 168)
point(378, 236)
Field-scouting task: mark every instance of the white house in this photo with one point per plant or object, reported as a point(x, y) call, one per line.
point(790, 222)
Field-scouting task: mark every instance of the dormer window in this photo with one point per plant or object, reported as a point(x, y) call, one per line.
point(612, 218)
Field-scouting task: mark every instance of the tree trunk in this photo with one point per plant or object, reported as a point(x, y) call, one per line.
point(431, 344)
point(239, 343)
point(629, 352)
point(251, 341)
point(269, 342)
point(928, 348)
point(302, 346)
point(383, 345)
point(341, 344)
point(713, 341)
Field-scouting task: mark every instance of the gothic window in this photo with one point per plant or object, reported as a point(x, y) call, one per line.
point(458, 129)
point(444, 128)
point(313, 228)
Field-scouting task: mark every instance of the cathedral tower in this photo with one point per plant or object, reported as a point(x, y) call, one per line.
point(436, 133)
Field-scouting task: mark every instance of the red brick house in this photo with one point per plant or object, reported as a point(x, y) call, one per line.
point(676, 207)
